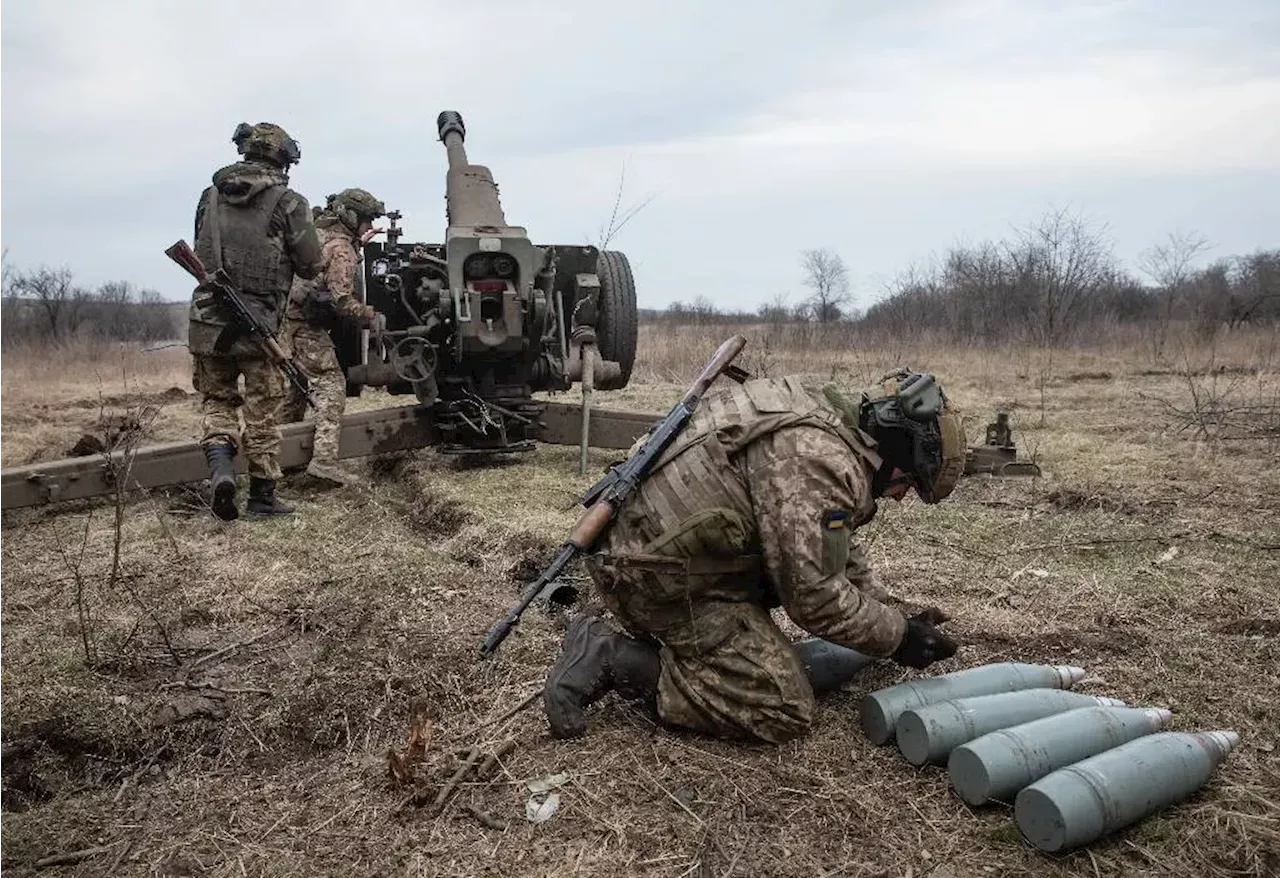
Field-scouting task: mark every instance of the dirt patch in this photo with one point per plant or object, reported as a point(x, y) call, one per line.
point(436, 515)
point(1071, 641)
point(133, 400)
point(1251, 627)
point(1073, 500)
point(1090, 376)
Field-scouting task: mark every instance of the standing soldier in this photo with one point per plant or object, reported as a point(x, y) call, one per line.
point(315, 307)
point(752, 508)
point(250, 223)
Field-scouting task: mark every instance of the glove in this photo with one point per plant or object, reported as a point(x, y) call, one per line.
point(923, 644)
point(377, 323)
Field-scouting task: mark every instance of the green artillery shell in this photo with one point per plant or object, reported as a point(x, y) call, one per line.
point(1085, 801)
point(998, 764)
point(929, 733)
point(880, 710)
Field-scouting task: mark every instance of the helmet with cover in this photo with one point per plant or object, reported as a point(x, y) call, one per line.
point(268, 142)
point(354, 206)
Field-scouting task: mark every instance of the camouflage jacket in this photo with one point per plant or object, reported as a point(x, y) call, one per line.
point(267, 237)
point(759, 498)
point(340, 262)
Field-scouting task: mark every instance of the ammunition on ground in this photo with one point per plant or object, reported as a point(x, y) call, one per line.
point(929, 733)
point(829, 665)
point(1085, 801)
point(998, 764)
point(880, 710)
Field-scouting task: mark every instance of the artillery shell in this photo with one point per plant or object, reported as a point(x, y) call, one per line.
point(998, 764)
point(880, 710)
point(1085, 801)
point(929, 733)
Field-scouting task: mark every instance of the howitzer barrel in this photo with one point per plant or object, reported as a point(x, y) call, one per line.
point(471, 196)
point(452, 134)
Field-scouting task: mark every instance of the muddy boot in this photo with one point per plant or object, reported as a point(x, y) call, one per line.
point(593, 661)
point(222, 479)
point(828, 665)
point(263, 500)
point(328, 471)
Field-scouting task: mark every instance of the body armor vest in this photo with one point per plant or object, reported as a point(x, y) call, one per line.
point(692, 518)
point(253, 254)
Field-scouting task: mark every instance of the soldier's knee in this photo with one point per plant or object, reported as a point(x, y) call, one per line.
point(785, 721)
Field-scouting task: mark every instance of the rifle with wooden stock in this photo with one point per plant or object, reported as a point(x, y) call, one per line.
point(606, 496)
point(219, 286)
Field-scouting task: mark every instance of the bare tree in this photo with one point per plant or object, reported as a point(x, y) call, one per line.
point(55, 293)
point(827, 277)
point(1060, 265)
point(1170, 265)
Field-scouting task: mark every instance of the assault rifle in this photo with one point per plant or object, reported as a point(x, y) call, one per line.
point(605, 497)
point(223, 291)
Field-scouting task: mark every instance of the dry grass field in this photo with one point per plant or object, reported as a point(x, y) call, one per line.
point(245, 681)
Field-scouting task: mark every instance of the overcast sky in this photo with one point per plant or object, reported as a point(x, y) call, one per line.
point(886, 131)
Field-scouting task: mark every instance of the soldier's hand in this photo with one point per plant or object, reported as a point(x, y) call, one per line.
point(370, 235)
point(923, 644)
point(378, 323)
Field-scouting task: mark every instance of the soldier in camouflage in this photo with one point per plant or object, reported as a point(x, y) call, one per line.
point(315, 307)
point(250, 223)
point(753, 508)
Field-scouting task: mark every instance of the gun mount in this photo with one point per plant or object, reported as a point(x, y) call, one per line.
point(479, 323)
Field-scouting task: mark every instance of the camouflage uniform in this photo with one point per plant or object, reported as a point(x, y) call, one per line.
point(752, 508)
point(310, 343)
point(264, 237)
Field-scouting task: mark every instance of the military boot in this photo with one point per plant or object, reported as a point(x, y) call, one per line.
point(595, 660)
point(222, 479)
point(328, 471)
point(829, 665)
point(263, 500)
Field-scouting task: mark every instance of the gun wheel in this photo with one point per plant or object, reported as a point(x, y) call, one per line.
point(616, 328)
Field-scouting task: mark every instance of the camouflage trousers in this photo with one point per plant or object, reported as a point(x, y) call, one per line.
point(216, 379)
point(727, 668)
point(312, 349)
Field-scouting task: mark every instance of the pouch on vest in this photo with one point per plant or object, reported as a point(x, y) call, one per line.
point(694, 555)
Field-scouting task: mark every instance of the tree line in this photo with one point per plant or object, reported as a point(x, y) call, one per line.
point(47, 305)
point(1051, 282)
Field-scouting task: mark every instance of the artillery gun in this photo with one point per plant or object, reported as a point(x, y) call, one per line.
point(478, 324)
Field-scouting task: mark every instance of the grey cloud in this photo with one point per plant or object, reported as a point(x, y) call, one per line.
point(762, 127)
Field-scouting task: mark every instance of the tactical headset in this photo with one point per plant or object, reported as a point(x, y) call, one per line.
point(915, 428)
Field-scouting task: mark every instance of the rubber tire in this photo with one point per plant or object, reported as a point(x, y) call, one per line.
point(617, 326)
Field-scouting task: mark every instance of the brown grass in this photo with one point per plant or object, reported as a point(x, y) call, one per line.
point(297, 650)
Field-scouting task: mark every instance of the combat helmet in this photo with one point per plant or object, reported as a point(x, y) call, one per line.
point(352, 206)
point(915, 426)
point(266, 141)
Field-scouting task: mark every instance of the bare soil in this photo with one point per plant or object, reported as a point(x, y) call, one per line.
point(221, 699)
